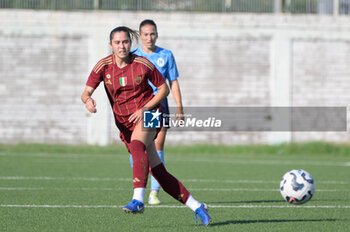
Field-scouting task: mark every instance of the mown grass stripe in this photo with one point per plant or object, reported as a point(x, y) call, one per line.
point(49, 178)
point(191, 189)
point(174, 206)
point(241, 161)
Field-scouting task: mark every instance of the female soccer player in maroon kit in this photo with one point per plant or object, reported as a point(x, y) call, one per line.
point(125, 77)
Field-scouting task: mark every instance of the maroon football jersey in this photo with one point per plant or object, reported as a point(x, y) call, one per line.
point(127, 88)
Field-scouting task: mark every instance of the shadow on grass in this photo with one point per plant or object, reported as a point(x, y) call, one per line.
point(270, 221)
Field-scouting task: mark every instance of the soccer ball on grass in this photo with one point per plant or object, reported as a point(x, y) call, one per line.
point(297, 186)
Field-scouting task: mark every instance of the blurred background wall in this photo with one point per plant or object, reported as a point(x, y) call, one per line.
point(224, 59)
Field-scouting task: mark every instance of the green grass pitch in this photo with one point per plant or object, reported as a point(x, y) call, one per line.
point(83, 188)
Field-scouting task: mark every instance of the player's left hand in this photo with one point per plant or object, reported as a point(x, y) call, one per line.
point(179, 114)
point(136, 116)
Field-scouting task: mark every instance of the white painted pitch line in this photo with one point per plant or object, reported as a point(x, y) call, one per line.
point(334, 182)
point(236, 161)
point(64, 155)
point(173, 206)
point(20, 189)
point(48, 178)
point(284, 206)
point(259, 190)
point(61, 178)
point(265, 162)
point(59, 189)
point(127, 189)
point(233, 181)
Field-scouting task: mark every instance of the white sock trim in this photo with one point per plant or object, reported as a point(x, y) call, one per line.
point(192, 203)
point(139, 194)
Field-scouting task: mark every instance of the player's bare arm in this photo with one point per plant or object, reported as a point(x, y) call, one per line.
point(163, 92)
point(89, 102)
point(175, 89)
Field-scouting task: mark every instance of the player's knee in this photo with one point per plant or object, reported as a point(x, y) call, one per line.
point(160, 147)
point(159, 144)
point(137, 147)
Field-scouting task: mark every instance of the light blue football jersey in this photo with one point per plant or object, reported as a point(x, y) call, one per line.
point(164, 60)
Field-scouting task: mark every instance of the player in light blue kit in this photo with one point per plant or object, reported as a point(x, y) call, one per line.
point(164, 60)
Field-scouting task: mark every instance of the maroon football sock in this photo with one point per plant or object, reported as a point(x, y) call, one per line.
point(170, 184)
point(140, 164)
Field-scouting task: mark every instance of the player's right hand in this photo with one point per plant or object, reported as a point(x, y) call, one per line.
point(90, 105)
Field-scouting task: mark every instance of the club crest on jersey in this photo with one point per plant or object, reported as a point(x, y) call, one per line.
point(108, 76)
point(108, 82)
point(122, 81)
point(160, 62)
point(138, 79)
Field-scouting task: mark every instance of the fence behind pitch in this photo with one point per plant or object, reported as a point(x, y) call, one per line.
point(257, 6)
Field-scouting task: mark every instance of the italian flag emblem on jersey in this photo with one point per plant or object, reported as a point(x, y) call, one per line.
point(122, 81)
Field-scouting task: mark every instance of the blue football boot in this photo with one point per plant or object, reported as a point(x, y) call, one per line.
point(134, 207)
point(202, 212)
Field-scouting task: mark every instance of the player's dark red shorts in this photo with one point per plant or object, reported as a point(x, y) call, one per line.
point(126, 129)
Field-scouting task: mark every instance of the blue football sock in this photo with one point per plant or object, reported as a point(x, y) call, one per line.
point(130, 158)
point(154, 182)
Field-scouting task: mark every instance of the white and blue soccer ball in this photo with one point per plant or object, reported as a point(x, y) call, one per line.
point(297, 186)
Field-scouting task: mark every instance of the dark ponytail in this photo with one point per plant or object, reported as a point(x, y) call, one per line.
point(131, 33)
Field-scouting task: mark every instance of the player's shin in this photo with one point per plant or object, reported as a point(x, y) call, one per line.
point(140, 164)
point(170, 184)
point(154, 183)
